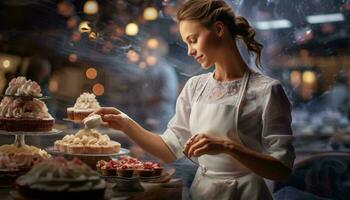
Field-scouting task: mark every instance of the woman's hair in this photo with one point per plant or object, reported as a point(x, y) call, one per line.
point(207, 12)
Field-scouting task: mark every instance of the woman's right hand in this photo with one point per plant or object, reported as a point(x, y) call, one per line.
point(113, 118)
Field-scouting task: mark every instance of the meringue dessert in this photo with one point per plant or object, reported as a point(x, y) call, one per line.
point(85, 104)
point(87, 141)
point(20, 110)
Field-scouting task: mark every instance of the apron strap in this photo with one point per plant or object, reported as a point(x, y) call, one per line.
point(241, 93)
point(202, 89)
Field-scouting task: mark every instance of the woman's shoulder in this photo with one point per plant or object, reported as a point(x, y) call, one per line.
point(263, 81)
point(194, 81)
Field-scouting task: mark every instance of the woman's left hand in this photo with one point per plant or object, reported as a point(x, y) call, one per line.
point(200, 144)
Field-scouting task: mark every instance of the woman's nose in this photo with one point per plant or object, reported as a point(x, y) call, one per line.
point(191, 52)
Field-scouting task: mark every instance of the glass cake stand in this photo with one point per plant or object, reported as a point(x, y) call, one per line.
point(127, 185)
point(89, 159)
point(20, 135)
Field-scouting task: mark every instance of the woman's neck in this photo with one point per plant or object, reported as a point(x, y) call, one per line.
point(230, 65)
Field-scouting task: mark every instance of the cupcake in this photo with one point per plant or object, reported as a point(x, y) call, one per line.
point(147, 170)
point(85, 105)
point(157, 169)
point(125, 170)
point(70, 113)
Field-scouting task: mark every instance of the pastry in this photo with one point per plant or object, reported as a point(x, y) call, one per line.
point(58, 178)
point(24, 113)
point(87, 141)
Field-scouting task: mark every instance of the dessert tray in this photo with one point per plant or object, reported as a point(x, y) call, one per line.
point(133, 184)
point(28, 98)
point(122, 151)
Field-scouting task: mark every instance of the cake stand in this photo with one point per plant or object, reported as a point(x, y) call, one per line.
point(20, 135)
point(127, 185)
point(89, 159)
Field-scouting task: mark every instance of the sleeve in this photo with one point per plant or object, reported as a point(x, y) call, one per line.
point(178, 131)
point(277, 135)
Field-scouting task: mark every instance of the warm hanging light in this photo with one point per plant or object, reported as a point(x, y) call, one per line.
point(98, 89)
point(131, 29)
point(133, 56)
point(93, 35)
point(84, 27)
point(142, 65)
point(6, 64)
point(151, 60)
point(295, 78)
point(72, 57)
point(309, 77)
point(152, 43)
point(90, 7)
point(150, 13)
point(91, 73)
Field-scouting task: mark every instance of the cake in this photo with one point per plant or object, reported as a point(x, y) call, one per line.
point(85, 104)
point(21, 157)
point(59, 178)
point(25, 113)
point(87, 141)
point(16, 161)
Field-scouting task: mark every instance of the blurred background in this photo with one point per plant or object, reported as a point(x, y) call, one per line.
point(130, 55)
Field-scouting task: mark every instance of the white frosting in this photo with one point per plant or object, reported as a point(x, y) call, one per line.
point(17, 108)
point(22, 87)
point(86, 137)
point(92, 121)
point(86, 101)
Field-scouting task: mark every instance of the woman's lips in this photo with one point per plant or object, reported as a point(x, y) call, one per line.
point(199, 58)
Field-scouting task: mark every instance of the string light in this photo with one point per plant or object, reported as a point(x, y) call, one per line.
point(93, 35)
point(6, 64)
point(90, 7)
point(152, 43)
point(151, 60)
point(150, 13)
point(309, 77)
point(131, 29)
point(84, 27)
point(73, 57)
point(133, 56)
point(142, 65)
point(98, 89)
point(91, 73)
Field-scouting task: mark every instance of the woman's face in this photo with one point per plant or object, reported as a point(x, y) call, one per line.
point(202, 42)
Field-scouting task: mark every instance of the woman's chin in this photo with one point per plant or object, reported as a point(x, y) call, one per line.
point(205, 66)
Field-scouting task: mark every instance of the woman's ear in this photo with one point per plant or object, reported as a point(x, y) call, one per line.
point(219, 28)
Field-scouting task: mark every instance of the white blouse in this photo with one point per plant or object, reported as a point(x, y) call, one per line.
point(264, 122)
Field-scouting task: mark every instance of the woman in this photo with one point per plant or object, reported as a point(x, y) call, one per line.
point(236, 122)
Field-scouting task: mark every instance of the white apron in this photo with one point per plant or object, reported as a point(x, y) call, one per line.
point(220, 176)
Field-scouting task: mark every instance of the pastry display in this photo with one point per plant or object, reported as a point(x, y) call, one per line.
point(16, 161)
point(18, 158)
point(127, 166)
point(87, 141)
point(84, 105)
point(59, 178)
point(20, 110)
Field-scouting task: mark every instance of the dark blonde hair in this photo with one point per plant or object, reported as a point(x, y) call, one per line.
point(207, 12)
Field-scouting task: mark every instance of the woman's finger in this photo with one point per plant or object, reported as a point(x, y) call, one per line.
point(201, 150)
point(188, 144)
point(194, 146)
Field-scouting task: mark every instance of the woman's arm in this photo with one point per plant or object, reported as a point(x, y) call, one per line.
point(263, 165)
point(150, 142)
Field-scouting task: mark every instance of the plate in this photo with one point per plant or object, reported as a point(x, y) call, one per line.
point(52, 132)
point(122, 151)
